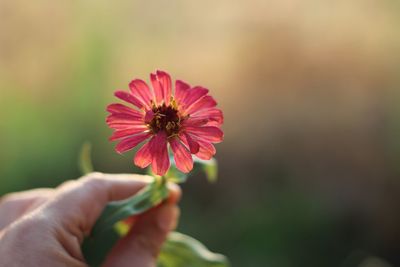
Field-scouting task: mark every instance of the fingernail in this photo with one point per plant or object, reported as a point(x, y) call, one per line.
point(168, 218)
point(175, 193)
point(173, 186)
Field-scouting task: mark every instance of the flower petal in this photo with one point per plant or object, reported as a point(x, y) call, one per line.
point(158, 95)
point(166, 84)
point(206, 151)
point(182, 156)
point(181, 88)
point(205, 102)
point(143, 157)
point(131, 142)
point(142, 92)
point(207, 133)
point(121, 121)
point(122, 109)
point(159, 151)
point(195, 122)
point(212, 114)
point(162, 86)
point(207, 117)
point(128, 98)
point(123, 133)
point(122, 125)
point(124, 117)
point(193, 95)
point(189, 142)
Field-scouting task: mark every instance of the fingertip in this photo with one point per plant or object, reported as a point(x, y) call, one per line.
point(175, 193)
point(167, 217)
point(141, 246)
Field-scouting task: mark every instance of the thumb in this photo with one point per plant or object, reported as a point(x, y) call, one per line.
point(79, 203)
point(143, 243)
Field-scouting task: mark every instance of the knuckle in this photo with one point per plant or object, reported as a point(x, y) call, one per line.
point(94, 182)
point(67, 184)
point(5, 198)
point(92, 178)
point(93, 175)
point(9, 197)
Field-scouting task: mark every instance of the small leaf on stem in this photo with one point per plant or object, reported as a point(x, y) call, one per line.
point(85, 161)
point(181, 251)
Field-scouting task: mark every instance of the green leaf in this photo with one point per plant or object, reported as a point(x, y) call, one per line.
point(96, 247)
point(106, 231)
point(182, 251)
point(85, 161)
point(209, 167)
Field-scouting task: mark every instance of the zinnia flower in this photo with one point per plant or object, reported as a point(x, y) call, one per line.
point(187, 120)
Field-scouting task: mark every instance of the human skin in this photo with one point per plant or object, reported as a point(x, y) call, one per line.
point(46, 227)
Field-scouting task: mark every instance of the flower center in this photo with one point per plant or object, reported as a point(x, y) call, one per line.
point(165, 118)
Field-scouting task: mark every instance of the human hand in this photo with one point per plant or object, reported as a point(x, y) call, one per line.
point(46, 227)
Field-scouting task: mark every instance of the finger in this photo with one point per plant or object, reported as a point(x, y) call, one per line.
point(13, 206)
point(175, 193)
point(143, 243)
point(79, 203)
point(149, 231)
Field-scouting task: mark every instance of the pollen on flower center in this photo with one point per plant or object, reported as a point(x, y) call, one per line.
point(165, 118)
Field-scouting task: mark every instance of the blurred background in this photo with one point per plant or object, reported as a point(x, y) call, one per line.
point(310, 166)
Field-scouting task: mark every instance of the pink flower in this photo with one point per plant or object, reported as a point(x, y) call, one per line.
point(187, 120)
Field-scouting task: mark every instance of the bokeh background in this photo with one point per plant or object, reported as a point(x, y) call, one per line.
point(310, 166)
